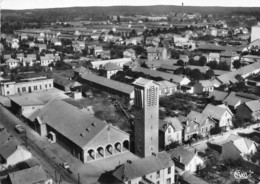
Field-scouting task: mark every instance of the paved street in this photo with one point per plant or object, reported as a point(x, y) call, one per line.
point(51, 155)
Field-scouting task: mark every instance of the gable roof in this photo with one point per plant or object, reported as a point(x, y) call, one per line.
point(167, 76)
point(111, 66)
point(218, 95)
point(155, 49)
point(233, 99)
point(119, 86)
point(8, 148)
point(185, 154)
point(142, 167)
point(28, 176)
point(166, 84)
point(253, 105)
point(72, 123)
point(198, 117)
point(192, 179)
point(11, 60)
point(170, 121)
point(213, 111)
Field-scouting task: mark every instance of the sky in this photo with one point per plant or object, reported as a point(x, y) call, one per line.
point(33, 4)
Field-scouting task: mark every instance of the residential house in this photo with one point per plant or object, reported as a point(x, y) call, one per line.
point(25, 106)
point(156, 53)
point(229, 57)
point(20, 56)
point(129, 53)
point(203, 121)
point(166, 88)
point(199, 87)
point(79, 71)
point(221, 114)
point(40, 39)
point(190, 128)
point(24, 36)
point(12, 63)
point(106, 54)
point(170, 130)
point(186, 159)
point(11, 152)
point(214, 57)
point(27, 85)
point(67, 84)
point(110, 69)
point(14, 45)
point(42, 46)
point(218, 96)
point(31, 175)
point(86, 137)
point(157, 168)
point(153, 40)
point(100, 63)
point(32, 57)
point(27, 61)
point(184, 58)
point(95, 36)
point(234, 147)
point(179, 80)
point(98, 50)
point(249, 110)
point(48, 59)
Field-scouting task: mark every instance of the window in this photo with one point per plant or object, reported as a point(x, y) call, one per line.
point(50, 85)
point(157, 174)
point(158, 182)
point(18, 90)
point(7, 85)
point(169, 138)
point(35, 87)
point(195, 126)
point(188, 129)
point(169, 170)
point(129, 182)
point(169, 129)
point(40, 86)
point(8, 92)
point(23, 89)
point(46, 86)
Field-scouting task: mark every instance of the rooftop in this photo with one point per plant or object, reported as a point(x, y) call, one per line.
point(26, 101)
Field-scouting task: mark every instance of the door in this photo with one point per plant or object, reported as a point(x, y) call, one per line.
point(30, 89)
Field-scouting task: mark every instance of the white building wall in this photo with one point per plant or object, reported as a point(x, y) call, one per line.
point(19, 155)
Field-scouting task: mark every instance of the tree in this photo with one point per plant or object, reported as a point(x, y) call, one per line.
point(111, 32)
point(175, 54)
point(133, 32)
point(237, 64)
point(118, 19)
point(210, 73)
point(213, 65)
point(223, 66)
point(180, 62)
point(196, 74)
point(202, 61)
point(179, 71)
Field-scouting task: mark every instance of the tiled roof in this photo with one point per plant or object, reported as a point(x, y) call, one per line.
point(81, 69)
point(29, 176)
point(11, 60)
point(219, 95)
point(206, 83)
point(8, 148)
point(219, 48)
point(228, 53)
point(198, 117)
point(119, 86)
point(142, 167)
point(253, 105)
point(26, 101)
point(155, 49)
point(173, 121)
point(175, 78)
point(111, 66)
point(69, 121)
point(185, 154)
point(166, 84)
point(214, 111)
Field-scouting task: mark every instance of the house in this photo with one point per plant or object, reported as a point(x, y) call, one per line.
point(157, 168)
point(249, 110)
point(221, 114)
point(179, 80)
point(184, 58)
point(24, 36)
point(186, 159)
point(42, 46)
point(27, 85)
point(100, 63)
point(190, 127)
point(203, 122)
point(229, 57)
point(12, 63)
point(170, 130)
point(110, 69)
point(67, 84)
point(11, 153)
point(48, 59)
point(214, 57)
point(218, 96)
point(106, 54)
point(234, 147)
point(129, 53)
point(14, 45)
point(27, 61)
point(86, 137)
point(19, 56)
point(166, 88)
point(25, 106)
point(156, 53)
point(98, 50)
point(31, 175)
point(95, 36)
point(31, 56)
point(152, 40)
point(40, 39)
point(199, 87)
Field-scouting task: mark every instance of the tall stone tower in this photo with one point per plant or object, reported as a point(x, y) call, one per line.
point(147, 117)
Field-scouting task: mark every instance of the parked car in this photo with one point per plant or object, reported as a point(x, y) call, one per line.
point(19, 129)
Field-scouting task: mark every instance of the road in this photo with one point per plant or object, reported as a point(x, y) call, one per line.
point(37, 147)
